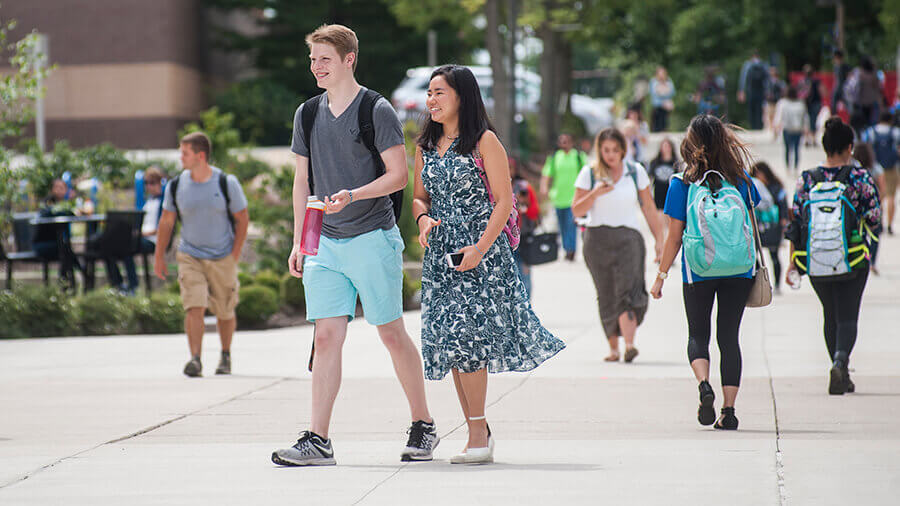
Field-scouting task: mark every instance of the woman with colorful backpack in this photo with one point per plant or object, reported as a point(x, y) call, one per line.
point(476, 317)
point(608, 192)
point(837, 196)
point(709, 205)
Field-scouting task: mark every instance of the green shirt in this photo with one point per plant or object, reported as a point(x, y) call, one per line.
point(563, 169)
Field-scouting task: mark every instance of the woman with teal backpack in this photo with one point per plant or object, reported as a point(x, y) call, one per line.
point(709, 206)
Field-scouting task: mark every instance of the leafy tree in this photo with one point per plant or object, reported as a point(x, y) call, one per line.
point(387, 50)
point(18, 90)
point(262, 110)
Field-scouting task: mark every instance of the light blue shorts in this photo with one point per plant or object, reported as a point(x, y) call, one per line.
point(369, 265)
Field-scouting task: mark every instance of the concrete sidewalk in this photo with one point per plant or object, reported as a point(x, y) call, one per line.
point(112, 420)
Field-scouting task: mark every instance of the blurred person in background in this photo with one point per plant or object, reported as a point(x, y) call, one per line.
point(884, 138)
point(558, 184)
point(792, 121)
point(529, 215)
point(751, 89)
point(776, 88)
point(662, 96)
point(811, 92)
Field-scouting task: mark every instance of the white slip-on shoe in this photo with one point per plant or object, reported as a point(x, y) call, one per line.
point(483, 455)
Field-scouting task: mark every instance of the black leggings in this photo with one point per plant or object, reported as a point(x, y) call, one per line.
point(731, 294)
point(840, 305)
point(776, 265)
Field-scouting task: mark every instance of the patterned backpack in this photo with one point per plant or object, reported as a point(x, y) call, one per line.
point(830, 243)
point(511, 229)
point(718, 236)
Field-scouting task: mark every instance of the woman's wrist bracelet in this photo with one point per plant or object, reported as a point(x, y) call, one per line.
point(419, 217)
point(478, 250)
point(351, 196)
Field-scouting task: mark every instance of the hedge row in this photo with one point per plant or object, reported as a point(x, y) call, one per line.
point(38, 311)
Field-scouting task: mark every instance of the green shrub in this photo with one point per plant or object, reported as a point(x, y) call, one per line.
point(222, 134)
point(108, 164)
point(11, 324)
point(257, 304)
point(246, 168)
point(292, 292)
point(103, 312)
point(44, 311)
point(245, 279)
point(410, 286)
point(160, 314)
point(173, 287)
point(270, 279)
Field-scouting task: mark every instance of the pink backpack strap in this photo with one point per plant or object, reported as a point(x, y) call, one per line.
point(476, 155)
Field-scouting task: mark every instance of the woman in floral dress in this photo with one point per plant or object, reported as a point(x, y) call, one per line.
point(476, 317)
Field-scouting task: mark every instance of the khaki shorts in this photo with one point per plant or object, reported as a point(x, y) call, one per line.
point(891, 177)
point(208, 283)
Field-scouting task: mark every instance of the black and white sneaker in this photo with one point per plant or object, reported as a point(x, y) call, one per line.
point(423, 439)
point(311, 450)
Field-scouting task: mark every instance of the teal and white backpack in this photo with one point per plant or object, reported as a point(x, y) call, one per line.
point(718, 234)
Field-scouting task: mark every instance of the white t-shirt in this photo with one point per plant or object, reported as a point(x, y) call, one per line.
point(151, 211)
point(618, 208)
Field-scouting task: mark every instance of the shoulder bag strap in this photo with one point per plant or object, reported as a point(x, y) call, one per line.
point(760, 258)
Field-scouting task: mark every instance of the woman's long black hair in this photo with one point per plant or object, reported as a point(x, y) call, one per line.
point(473, 118)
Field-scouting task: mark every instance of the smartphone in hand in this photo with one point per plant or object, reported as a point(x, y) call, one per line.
point(454, 259)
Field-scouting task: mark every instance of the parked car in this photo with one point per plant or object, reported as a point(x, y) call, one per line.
point(409, 97)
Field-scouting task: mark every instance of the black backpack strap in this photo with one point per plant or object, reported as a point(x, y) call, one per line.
point(817, 175)
point(174, 184)
point(367, 135)
point(367, 127)
point(223, 186)
point(307, 119)
point(843, 175)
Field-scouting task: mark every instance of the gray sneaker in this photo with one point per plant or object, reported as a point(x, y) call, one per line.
point(310, 450)
point(423, 439)
point(193, 368)
point(224, 363)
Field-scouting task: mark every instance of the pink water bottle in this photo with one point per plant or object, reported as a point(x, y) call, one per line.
point(312, 226)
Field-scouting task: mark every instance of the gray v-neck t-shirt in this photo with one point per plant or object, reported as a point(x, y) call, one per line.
point(342, 162)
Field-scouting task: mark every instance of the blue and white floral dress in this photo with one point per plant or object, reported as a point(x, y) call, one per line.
point(482, 317)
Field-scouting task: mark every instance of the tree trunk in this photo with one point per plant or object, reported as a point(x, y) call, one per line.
point(556, 83)
point(547, 126)
point(564, 79)
point(500, 89)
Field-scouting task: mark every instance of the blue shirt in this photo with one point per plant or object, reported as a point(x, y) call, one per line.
point(676, 208)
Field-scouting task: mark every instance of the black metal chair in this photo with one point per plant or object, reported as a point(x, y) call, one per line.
point(120, 238)
point(23, 233)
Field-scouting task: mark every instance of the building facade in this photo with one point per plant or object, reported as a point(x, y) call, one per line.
point(129, 72)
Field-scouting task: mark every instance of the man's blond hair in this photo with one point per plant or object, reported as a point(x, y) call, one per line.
point(341, 38)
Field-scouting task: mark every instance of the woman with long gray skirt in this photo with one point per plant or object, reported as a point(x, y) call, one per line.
point(608, 192)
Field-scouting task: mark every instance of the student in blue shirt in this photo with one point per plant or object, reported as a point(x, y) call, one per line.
point(710, 146)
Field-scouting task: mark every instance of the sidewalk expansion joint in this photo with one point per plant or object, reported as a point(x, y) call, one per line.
point(779, 456)
point(140, 432)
